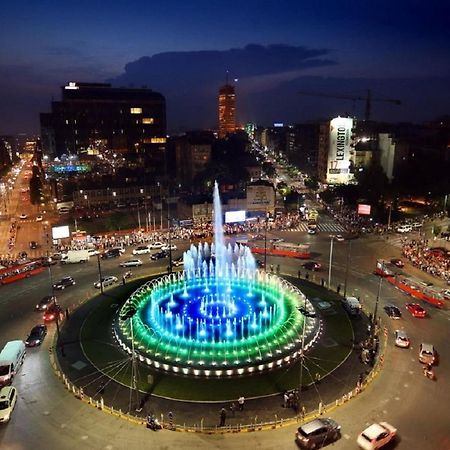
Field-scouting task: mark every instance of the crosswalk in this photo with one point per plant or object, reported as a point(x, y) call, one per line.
point(327, 227)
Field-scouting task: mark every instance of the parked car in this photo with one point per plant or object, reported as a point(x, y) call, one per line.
point(141, 250)
point(52, 312)
point(416, 310)
point(131, 263)
point(155, 245)
point(401, 339)
point(45, 302)
point(312, 265)
point(106, 281)
point(63, 283)
point(376, 436)
point(36, 336)
point(393, 312)
point(159, 255)
point(317, 432)
point(8, 399)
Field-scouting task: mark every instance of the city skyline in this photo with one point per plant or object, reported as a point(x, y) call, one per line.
point(397, 50)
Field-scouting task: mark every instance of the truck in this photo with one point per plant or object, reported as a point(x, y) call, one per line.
point(75, 256)
point(11, 358)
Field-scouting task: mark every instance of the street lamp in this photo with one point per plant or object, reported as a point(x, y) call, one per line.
point(349, 249)
point(330, 262)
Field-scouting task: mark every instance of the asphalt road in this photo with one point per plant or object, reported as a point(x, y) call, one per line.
point(47, 416)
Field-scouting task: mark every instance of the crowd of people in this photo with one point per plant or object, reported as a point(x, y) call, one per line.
point(434, 260)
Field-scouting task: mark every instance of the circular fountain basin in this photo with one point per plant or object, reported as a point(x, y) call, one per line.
point(216, 325)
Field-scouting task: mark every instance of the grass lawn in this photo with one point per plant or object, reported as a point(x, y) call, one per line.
point(98, 344)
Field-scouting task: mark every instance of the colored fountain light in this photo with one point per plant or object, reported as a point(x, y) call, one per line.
point(220, 316)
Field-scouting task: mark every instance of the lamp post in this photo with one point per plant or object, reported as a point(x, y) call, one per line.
point(349, 249)
point(100, 273)
point(265, 243)
point(330, 262)
point(161, 204)
point(169, 236)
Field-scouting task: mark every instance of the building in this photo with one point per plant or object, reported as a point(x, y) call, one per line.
point(227, 110)
point(90, 115)
point(192, 154)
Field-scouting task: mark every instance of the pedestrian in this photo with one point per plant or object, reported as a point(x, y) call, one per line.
point(223, 416)
point(338, 289)
point(306, 276)
point(299, 274)
point(233, 409)
point(322, 282)
point(101, 388)
point(303, 412)
point(123, 279)
point(241, 401)
point(278, 269)
point(285, 400)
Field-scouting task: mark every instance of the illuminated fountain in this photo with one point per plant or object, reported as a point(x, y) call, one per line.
point(220, 316)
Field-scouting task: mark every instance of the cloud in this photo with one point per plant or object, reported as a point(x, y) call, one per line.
point(190, 80)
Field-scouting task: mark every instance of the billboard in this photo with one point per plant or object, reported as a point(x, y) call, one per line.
point(339, 153)
point(235, 216)
point(60, 232)
point(261, 197)
point(363, 210)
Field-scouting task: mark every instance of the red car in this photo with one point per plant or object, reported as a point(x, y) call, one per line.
point(416, 310)
point(52, 311)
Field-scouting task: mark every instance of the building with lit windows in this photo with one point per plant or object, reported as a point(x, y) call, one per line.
point(90, 115)
point(227, 110)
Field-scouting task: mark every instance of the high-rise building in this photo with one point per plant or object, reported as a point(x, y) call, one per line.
point(227, 110)
point(125, 120)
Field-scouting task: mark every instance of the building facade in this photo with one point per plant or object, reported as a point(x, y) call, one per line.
point(227, 110)
point(89, 115)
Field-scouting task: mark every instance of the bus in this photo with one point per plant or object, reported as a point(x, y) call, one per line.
point(411, 286)
point(20, 271)
point(300, 251)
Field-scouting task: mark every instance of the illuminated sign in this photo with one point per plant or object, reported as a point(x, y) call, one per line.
point(364, 210)
point(235, 216)
point(60, 232)
point(260, 198)
point(71, 85)
point(338, 171)
point(70, 168)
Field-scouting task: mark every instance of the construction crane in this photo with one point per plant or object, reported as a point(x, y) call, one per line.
point(368, 99)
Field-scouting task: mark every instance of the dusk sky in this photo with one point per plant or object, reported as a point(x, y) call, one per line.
point(399, 49)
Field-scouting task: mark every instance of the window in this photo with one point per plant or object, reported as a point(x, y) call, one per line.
point(158, 140)
point(148, 120)
point(136, 110)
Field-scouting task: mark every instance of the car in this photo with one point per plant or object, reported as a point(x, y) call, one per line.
point(34, 245)
point(376, 436)
point(393, 312)
point(398, 262)
point(155, 245)
point(337, 237)
point(46, 262)
point(8, 399)
point(23, 216)
point(312, 265)
point(45, 302)
point(446, 294)
point(276, 240)
point(142, 250)
point(317, 432)
point(178, 262)
point(416, 310)
point(106, 281)
point(159, 255)
point(36, 336)
point(427, 354)
point(131, 263)
point(52, 312)
point(111, 253)
point(93, 252)
point(38, 218)
point(168, 247)
point(63, 283)
point(401, 339)
point(260, 264)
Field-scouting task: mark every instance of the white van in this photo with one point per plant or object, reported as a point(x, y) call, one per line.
point(11, 358)
point(404, 229)
point(352, 306)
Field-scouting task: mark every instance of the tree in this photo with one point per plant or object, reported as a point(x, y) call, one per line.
point(36, 192)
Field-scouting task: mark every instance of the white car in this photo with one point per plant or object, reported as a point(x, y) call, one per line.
point(106, 281)
point(178, 262)
point(131, 263)
point(168, 247)
point(8, 399)
point(155, 245)
point(142, 250)
point(93, 252)
point(401, 339)
point(446, 294)
point(376, 436)
point(39, 219)
point(23, 216)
